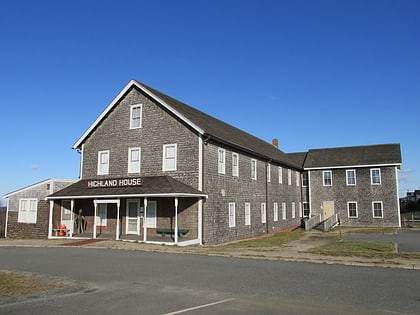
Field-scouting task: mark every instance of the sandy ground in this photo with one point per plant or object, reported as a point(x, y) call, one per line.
point(293, 251)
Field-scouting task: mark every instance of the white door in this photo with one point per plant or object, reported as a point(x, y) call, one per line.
point(133, 217)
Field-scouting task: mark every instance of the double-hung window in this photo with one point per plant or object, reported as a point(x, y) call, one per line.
point(297, 179)
point(232, 221)
point(293, 210)
point(352, 209)
point(283, 210)
point(327, 178)
point(263, 213)
point(305, 179)
point(306, 210)
point(247, 213)
point(351, 177)
point(375, 176)
point(235, 164)
point(276, 212)
point(221, 160)
point(169, 157)
point(268, 172)
point(280, 175)
point(377, 209)
point(289, 177)
point(254, 169)
point(135, 116)
point(134, 160)
point(103, 162)
point(27, 210)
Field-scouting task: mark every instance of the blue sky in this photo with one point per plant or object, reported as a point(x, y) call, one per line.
point(314, 74)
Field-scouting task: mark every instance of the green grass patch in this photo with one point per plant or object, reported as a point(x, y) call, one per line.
point(273, 240)
point(369, 249)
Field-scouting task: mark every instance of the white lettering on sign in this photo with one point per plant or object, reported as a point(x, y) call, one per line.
point(120, 182)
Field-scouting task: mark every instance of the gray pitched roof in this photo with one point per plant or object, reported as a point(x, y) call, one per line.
point(151, 186)
point(208, 126)
point(381, 154)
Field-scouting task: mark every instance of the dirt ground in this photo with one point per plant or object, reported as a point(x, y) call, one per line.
point(293, 251)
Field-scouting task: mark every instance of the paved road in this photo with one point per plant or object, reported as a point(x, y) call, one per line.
point(135, 282)
point(408, 240)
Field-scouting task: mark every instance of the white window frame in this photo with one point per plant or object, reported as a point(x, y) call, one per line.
point(235, 164)
point(247, 213)
point(293, 210)
point(28, 210)
point(103, 167)
point(348, 209)
point(305, 179)
point(232, 219)
point(283, 211)
point(297, 179)
point(348, 177)
point(166, 166)
point(134, 165)
point(275, 212)
point(101, 214)
point(221, 161)
point(134, 119)
point(280, 175)
point(373, 209)
point(268, 172)
point(289, 177)
point(254, 169)
point(263, 212)
point(372, 170)
point(324, 178)
point(307, 209)
point(300, 210)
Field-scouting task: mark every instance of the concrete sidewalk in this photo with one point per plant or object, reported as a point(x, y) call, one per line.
point(293, 251)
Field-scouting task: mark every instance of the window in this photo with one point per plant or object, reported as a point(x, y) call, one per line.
point(254, 169)
point(169, 157)
point(352, 209)
point(221, 165)
point(135, 116)
point(235, 164)
point(134, 160)
point(327, 178)
point(375, 176)
point(289, 177)
point(268, 172)
point(351, 177)
point(101, 214)
point(305, 179)
point(263, 213)
point(103, 162)
point(306, 210)
point(151, 214)
point(276, 212)
point(232, 222)
point(297, 179)
point(377, 209)
point(247, 213)
point(300, 209)
point(280, 175)
point(293, 210)
point(283, 210)
point(27, 210)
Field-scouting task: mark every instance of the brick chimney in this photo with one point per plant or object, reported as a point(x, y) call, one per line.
point(275, 142)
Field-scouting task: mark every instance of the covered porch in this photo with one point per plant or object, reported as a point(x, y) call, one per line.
point(171, 214)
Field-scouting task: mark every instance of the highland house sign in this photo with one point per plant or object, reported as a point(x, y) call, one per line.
point(117, 182)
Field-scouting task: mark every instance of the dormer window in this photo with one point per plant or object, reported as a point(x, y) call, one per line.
point(135, 116)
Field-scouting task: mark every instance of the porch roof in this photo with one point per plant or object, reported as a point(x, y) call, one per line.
point(151, 186)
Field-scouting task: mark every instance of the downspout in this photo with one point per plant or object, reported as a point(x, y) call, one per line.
point(200, 222)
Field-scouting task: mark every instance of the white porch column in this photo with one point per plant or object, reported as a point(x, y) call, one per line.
point(117, 230)
point(50, 219)
point(94, 218)
point(144, 220)
point(176, 220)
point(200, 221)
point(71, 217)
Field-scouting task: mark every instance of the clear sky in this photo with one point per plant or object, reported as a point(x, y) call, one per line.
point(314, 74)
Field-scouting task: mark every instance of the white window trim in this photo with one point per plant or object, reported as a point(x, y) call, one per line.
point(105, 171)
point(308, 208)
point(263, 212)
point(293, 210)
point(275, 212)
point(24, 215)
point(232, 215)
point(247, 213)
point(297, 179)
point(382, 209)
point(371, 176)
point(348, 210)
point(235, 168)
point(347, 177)
point(280, 175)
point(323, 178)
point(134, 168)
point(283, 211)
point(289, 177)
point(221, 161)
point(131, 116)
point(165, 166)
point(254, 169)
point(268, 172)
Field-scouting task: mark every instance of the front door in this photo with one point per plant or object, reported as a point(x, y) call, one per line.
point(133, 216)
point(328, 209)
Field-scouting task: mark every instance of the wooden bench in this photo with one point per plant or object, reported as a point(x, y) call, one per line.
point(164, 232)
